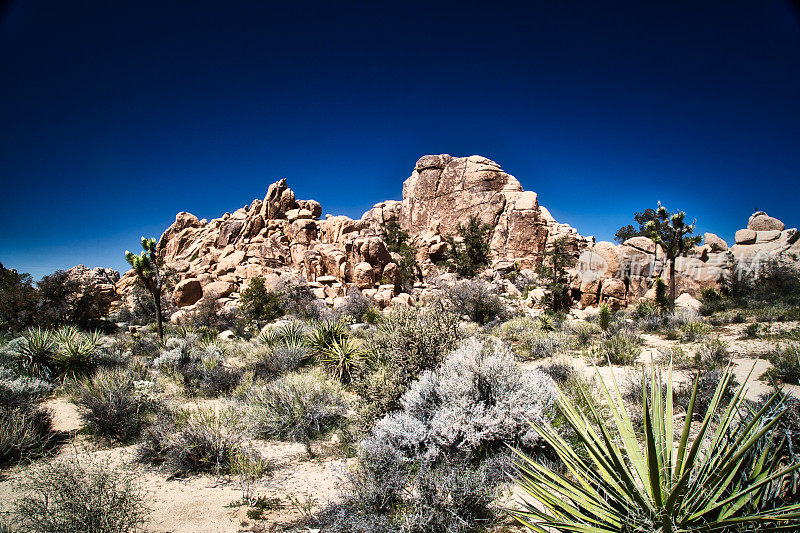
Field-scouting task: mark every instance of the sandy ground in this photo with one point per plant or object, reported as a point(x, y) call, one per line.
point(203, 504)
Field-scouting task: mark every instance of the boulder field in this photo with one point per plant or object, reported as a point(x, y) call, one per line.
point(281, 237)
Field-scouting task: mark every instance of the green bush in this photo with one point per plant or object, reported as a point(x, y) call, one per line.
point(25, 433)
point(116, 405)
point(68, 496)
point(297, 407)
point(785, 361)
point(604, 316)
point(201, 441)
point(468, 253)
point(405, 343)
point(474, 298)
point(693, 331)
point(259, 305)
point(711, 354)
point(620, 348)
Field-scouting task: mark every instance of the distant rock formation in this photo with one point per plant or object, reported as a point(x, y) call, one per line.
point(100, 281)
point(623, 274)
point(281, 237)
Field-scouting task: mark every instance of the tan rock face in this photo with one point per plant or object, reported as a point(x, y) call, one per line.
point(187, 292)
point(745, 236)
point(716, 243)
point(363, 275)
point(444, 191)
point(760, 221)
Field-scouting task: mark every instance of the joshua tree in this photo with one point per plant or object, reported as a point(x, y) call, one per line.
point(675, 237)
point(146, 267)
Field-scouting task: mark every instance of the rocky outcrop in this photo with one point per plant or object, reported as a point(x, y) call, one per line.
point(444, 191)
point(281, 237)
point(99, 281)
point(604, 269)
point(765, 239)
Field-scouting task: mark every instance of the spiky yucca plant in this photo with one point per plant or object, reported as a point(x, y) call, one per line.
point(702, 482)
point(77, 352)
point(325, 334)
point(36, 352)
point(341, 357)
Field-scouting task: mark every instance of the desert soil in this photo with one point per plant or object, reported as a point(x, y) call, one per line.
point(206, 504)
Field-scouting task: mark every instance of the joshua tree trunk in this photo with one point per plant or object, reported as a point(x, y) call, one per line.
point(672, 284)
point(159, 318)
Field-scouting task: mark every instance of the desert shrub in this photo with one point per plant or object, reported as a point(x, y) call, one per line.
point(116, 404)
point(18, 390)
point(202, 441)
point(558, 371)
point(636, 384)
point(259, 305)
point(438, 411)
point(620, 348)
point(207, 318)
point(693, 331)
point(539, 345)
point(675, 355)
point(269, 361)
point(296, 407)
point(583, 333)
point(25, 432)
point(514, 330)
point(533, 339)
point(604, 316)
point(712, 302)
point(71, 496)
point(436, 464)
point(475, 298)
point(404, 344)
point(199, 363)
point(299, 301)
point(785, 360)
point(772, 282)
point(712, 353)
point(372, 316)
point(751, 331)
point(356, 306)
point(707, 383)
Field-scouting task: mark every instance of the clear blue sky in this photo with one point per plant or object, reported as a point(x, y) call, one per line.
point(116, 115)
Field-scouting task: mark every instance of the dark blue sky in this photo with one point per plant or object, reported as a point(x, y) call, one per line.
point(116, 115)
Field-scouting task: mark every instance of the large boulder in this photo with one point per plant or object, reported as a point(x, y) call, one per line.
point(187, 292)
point(745, 236)
point(715, 243)
point(363, 275)
point(443, 192)
point(760, 221)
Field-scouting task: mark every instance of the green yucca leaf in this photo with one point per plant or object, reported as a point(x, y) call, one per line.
point(712, 481)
